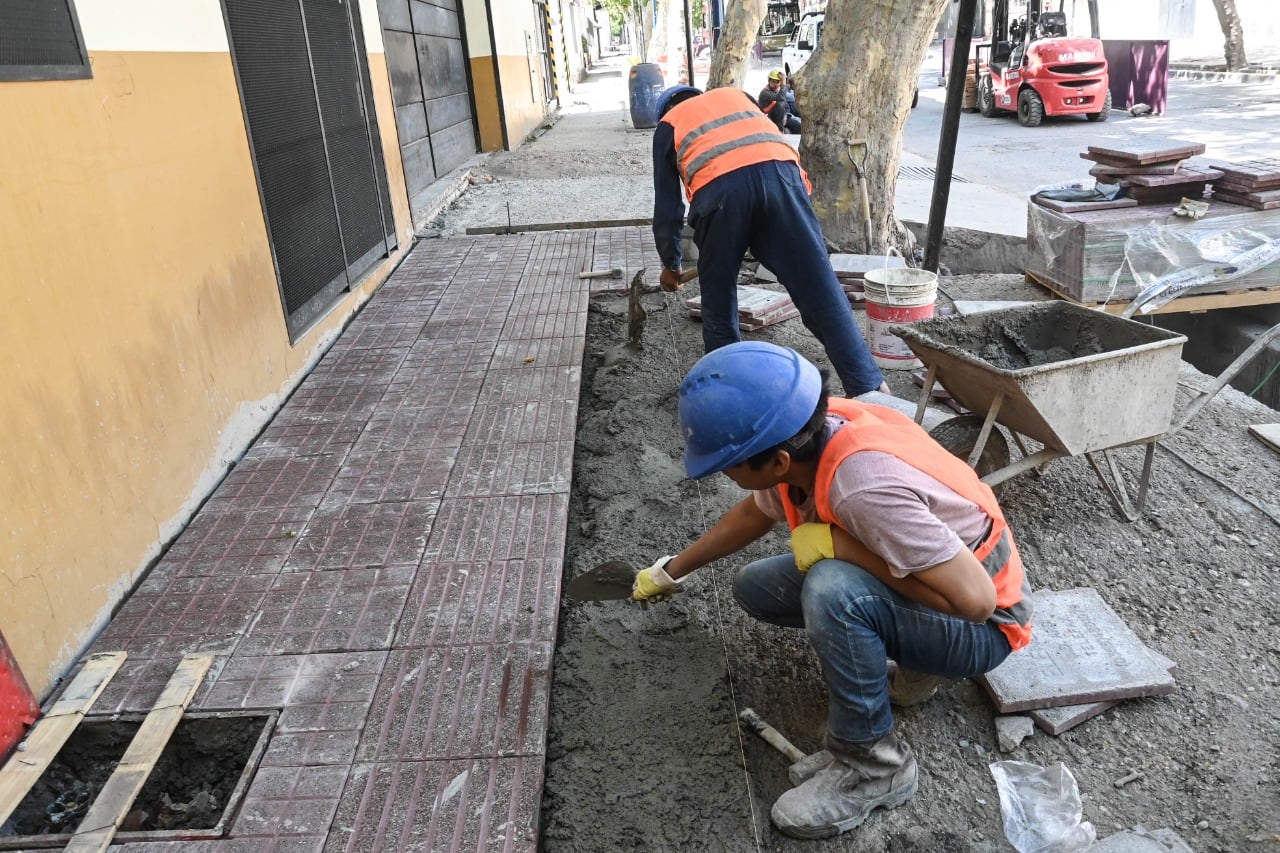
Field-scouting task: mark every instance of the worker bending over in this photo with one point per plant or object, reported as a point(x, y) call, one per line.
point(747, 191)
point(899, 552)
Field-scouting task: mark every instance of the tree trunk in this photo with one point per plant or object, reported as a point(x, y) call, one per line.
point(737, 36)
point(1229, 20)
point(658, 37)
point(677, 69)
point(858, 84)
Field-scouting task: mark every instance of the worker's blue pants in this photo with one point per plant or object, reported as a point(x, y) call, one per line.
point(766, 208)
point(854, 623)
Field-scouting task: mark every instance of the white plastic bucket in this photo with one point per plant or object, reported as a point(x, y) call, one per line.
point(896, 297)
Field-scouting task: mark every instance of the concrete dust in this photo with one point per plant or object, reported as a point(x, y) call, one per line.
point(645, 751)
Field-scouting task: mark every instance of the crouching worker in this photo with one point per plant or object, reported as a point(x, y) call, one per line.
point(899, 552)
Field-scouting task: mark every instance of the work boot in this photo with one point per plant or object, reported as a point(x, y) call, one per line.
point(839, 797)
point(908, 687)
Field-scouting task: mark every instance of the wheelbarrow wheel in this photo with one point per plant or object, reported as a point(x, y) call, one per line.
point(959, 435)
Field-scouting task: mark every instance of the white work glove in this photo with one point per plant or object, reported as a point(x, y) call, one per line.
point(654, 584)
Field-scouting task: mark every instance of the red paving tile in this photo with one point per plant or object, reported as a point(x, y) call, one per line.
point(384, 564)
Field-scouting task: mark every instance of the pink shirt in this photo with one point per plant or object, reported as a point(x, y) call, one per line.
point(906, 516)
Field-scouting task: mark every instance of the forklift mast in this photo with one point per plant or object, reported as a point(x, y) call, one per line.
point(1000, 18)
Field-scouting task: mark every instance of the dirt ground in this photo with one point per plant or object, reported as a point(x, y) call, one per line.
point(644, 750)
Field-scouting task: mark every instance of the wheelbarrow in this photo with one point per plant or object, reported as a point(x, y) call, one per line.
point(1077, 381)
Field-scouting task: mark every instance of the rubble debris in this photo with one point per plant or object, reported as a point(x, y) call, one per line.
point(1012, 731)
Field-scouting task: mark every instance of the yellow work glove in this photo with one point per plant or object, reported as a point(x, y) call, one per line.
point(654, 584)
point(811, 543)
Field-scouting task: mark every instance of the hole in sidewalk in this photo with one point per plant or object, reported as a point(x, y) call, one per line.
point(192, 792)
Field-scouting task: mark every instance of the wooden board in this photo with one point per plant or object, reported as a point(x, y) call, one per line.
point(51, 731)
point(1182, 176)
point(1181, 305)
point(1077, 206)
point(1142, 155)
point(114, 801)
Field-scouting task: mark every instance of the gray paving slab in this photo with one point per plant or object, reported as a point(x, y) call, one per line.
point(1055, 721)
point(1080, 652)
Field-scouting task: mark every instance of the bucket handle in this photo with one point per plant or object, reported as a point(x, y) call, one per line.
point(888, 293)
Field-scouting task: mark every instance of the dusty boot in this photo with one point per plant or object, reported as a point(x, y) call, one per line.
point(841, 795)
point(908, 687)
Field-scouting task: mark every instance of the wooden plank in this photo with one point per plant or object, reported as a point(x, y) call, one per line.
point(113, 802)
point(1155, 152)
point(1195, 304)
point(48, 735)
point(1079, 206)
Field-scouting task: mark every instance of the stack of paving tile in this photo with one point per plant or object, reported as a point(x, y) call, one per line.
point(851, 269)
point(757, 307)
point(1152, 173)
point(1082, 660)
point(1254, 183)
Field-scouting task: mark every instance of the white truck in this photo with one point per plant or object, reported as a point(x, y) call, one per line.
point(802, 43)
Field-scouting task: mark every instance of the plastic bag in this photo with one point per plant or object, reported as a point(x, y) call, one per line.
point(1041, 808)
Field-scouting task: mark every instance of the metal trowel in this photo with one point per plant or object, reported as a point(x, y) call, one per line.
point(609, 581)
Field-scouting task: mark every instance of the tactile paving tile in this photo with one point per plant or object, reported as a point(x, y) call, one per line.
point(293, 805)
point(496, 422)
point(356, 536)
point(473, 603)
point(544, 352)
point(498, 528)
point(512, 469)
point(1080, 652)
point(385, 477)
point(258, 540)
point(317, 612)
point(275, 482)
point(460, 702)
point(463, 805)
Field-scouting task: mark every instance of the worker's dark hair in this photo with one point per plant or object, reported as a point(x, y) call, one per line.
point(805, 445)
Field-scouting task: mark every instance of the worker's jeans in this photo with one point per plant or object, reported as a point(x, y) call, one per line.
point(854, 623)
point(765, 207)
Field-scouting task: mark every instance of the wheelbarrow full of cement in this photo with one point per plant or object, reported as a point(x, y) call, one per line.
point(1077, 381)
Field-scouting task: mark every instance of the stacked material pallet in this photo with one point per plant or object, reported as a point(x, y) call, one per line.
point(1254, 183)
point(851, 269)
point(757, 308)
point(1153, 173)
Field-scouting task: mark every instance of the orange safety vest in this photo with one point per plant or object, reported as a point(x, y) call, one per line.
point(716, 133)
point(890, 431)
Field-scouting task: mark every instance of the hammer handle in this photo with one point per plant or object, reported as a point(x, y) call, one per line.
point(770, 735)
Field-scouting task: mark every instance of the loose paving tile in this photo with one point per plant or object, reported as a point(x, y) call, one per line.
point(1055, 721)
point(1080, 652)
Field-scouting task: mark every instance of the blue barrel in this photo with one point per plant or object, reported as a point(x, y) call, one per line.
point(645, 85)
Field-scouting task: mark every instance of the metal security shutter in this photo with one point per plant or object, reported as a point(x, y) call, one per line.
point(307, 108)
point(40, 40)
point(379, 162)
point(430, 83)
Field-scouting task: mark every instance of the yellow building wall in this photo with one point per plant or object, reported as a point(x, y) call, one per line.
point(144, 337)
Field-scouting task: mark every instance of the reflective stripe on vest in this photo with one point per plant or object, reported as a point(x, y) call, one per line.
point(716, 133)
point(889, 431)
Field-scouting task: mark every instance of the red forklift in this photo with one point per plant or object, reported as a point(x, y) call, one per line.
point(1038, 70)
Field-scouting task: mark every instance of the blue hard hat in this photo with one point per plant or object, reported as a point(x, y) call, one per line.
point(664, 100)
point(742, 399)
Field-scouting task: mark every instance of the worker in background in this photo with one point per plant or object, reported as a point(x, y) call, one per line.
point(898, 552)
point(747, 191)
point(776, 104)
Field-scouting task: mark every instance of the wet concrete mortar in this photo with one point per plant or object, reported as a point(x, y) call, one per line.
point(644, 751)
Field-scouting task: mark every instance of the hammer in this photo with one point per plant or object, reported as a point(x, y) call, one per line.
point(802, 766)
point(616, 272)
